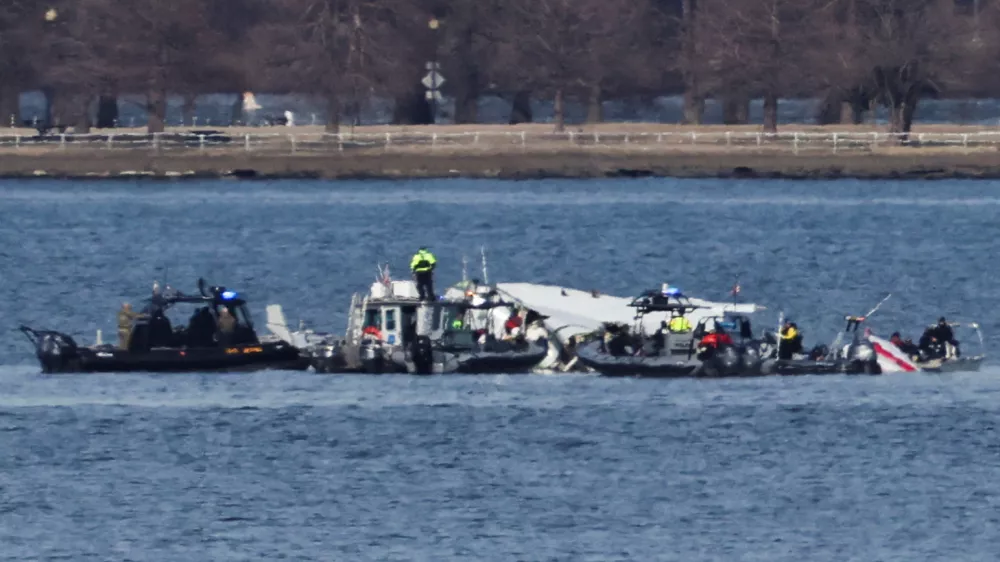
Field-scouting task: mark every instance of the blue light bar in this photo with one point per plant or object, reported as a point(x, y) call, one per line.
point(672, 292)
point(228, 295)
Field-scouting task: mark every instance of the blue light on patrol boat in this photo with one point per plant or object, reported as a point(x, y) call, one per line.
point(672, 292)
point(228, 295)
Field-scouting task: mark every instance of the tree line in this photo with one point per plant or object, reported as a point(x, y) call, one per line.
point(854, 55)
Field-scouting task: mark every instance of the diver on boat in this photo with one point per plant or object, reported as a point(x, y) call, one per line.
point(945, 336)
point(422, 265)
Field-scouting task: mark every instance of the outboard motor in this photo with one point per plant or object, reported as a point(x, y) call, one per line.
point(728, 359)
point(371, 355)
point(422, 355)
point(55, 352)
point(751, 361)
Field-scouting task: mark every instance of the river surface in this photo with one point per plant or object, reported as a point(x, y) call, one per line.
point(310, 467)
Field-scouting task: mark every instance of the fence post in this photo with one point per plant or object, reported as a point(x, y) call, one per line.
point(62, 141)
point(524, 141)
point(156, 141)
point(17, 141)
point(340, 142)
point(597, 138)
point(729, 138)
point(111, 141)
point(626, 138)
point(388, 140)
point(572, 137)
point(434, 140)
point(965, 141)
point(694, 137)
point(201, 142)
point(293, 140)
point(659, 138)
point(874, 139)
point(795, 142)
point(475, 138)
point(759, 139)
point(834, 143)
point(246, 142)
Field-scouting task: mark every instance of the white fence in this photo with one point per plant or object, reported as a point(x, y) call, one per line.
point(796, 142)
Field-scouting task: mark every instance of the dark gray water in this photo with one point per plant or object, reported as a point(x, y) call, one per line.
point(303, 466)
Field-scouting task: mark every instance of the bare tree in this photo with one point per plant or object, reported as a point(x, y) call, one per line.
point(755, 46)
point(335, 49)
point(564, 47)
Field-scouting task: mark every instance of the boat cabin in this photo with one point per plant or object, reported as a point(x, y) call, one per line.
point(396, 315)
point(176, 320)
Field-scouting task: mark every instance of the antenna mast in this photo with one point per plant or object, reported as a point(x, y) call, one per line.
point(486, 277)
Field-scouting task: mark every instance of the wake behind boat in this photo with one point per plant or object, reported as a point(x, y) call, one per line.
point(219, 336)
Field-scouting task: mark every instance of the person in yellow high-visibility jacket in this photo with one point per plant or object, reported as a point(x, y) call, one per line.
point(422, 265)
point(679, 324)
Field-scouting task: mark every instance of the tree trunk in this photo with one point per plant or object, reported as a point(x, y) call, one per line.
point(10, 106)
point(559, 113)
point(770, 112)
point(236, 111)
point(107, 112)
point(156, 108)
point(412, 108)
point(595, 108)
point(735, 109)
point(81, 114)
point(332, 114)
point(694, 101)
point(850, 112)
point(521, 108)
point(49, 114)
point(188, 110)
point(466, 83)
point(694, 107)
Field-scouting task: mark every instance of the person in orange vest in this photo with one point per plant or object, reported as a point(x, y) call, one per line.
point(715, 339)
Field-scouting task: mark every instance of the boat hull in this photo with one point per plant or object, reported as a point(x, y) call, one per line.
point(59, 353)
point(729, 362)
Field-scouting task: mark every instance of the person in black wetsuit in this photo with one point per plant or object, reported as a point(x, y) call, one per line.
point(945, 335)
point(659, 339)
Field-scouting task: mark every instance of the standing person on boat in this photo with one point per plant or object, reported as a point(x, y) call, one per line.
point(422, 265)
point(125, 319)
point(227, 325)
point(945, 335)
point(660, 338)
point(789, 342)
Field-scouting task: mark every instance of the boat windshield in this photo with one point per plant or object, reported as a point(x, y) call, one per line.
point(373, 318)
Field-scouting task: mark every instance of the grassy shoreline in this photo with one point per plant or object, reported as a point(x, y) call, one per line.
point(545, 158)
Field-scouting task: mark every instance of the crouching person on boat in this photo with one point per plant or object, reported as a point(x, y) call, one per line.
point(711, 342)
point(906, 346)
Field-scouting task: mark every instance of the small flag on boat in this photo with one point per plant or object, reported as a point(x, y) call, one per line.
point(386, 279)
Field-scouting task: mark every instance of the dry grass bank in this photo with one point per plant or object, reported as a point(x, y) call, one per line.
point(897, 163)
